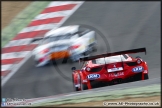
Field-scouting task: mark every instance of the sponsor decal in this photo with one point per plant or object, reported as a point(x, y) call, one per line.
point(115, 69)
point(116, 74)
point(93, 76)
point(138, 69)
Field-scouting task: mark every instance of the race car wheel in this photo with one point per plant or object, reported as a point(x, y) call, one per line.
point(65, 60)
point(36, 62)
point(138, 77)
point(53, 62)
point(94, 49)
point(76, 88)
point(146, 76)
point(84, 87)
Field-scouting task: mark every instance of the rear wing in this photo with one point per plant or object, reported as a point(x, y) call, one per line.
point(114, 53)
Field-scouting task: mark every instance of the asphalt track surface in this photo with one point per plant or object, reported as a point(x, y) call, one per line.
point(125, 25)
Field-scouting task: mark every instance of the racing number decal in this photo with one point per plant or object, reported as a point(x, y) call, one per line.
point(138, 69)
point(116, 74)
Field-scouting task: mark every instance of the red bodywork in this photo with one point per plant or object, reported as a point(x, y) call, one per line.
point(101, 74)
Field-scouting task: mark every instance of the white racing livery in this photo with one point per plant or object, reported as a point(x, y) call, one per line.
point(70, 42)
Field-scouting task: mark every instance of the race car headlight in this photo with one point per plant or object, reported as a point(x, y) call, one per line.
point(139, 61)
point(88, 69)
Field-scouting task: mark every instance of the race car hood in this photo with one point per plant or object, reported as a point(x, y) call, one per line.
point(55, 43)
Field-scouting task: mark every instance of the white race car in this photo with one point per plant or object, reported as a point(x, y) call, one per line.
point(68, 42)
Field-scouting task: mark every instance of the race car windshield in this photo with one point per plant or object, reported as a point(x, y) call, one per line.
point(112, 59)
point(56, 38)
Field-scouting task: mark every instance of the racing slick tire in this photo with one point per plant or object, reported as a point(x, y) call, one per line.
point(84, 87)
point(75, 88)
point(146, 76)
point(139, 77)
point(36, 62)
point(94, 49)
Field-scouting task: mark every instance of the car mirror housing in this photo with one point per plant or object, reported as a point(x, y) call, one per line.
point(73, 68)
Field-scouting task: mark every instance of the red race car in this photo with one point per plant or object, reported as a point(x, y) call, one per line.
point(109, 69)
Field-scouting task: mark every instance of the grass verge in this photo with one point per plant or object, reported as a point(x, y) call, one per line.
point(146, 91)
point(22, 20)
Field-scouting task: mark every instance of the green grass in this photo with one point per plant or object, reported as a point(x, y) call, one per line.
point(22, 20)
point(146, 91)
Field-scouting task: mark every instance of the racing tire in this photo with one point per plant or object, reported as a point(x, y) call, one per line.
point(137, 77)
point(65, 61)
point(94, 49)
point(36, 63)
point(75, 88)
point(86, 53)
point(70, 61)
point(84, 87)
point(146, 76)
point(53, 62)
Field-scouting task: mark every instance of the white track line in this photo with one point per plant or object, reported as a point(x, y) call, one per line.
point(6, 67)
point(75, 8)
point(15, 55)
point(53, 15)
point(39, 27)
point(14, 70)
point(59, 3)
point(19, 42)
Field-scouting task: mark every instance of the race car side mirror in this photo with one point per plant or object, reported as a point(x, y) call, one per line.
point(73, 68)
